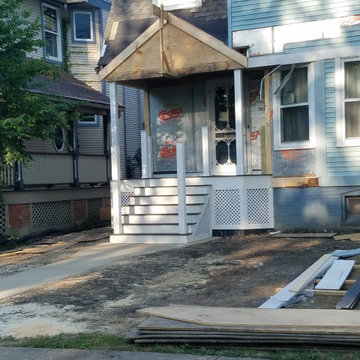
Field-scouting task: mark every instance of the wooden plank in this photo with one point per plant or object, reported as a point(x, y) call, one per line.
point(125, 54)
point(290, 290)
point(326, 320)
point(315, 270)
point(336, 275)
point(353, 236)
point(295, 182)
point(351, 297)
point(329, 292)
point(304, 235)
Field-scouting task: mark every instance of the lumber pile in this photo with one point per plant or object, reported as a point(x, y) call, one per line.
point(248, 326)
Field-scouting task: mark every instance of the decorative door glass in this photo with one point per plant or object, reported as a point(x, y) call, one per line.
point(225, 136)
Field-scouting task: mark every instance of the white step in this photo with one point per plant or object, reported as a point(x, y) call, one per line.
point(154, 228)
point(157, 218)
point(150, 239)
point(169, 190)
point(160, 209)
point(170, 199)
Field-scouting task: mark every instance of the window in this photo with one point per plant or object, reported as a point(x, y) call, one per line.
point(83, 26)
point(293, 109)
point(177, 4)
point(348, 86)
point(51, 32)
point(89, 120)
point(59, 138)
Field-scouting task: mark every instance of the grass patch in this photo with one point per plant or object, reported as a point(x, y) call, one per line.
point(112, 342)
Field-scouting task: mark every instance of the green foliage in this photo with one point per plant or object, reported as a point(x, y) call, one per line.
point(23, 114)
point(114, 342)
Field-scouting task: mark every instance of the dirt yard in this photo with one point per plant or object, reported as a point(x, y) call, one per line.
point(241, 271)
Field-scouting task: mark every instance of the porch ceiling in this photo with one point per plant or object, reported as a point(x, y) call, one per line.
point(171, 48)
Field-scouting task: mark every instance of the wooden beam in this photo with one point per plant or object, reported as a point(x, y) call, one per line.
point(287, 182)
point(274, 318)
point(118, 60)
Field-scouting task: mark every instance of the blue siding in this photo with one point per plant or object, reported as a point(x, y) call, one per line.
point(339, 160)
point(313, 209)
point(252, 14)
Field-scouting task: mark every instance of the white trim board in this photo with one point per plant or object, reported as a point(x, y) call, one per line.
point(336, 275)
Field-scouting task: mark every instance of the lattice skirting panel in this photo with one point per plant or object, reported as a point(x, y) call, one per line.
point(203, 230)
point(243, 209)
point(93, 208)
point(2, 219)
point(46, 215)
point(125, 200)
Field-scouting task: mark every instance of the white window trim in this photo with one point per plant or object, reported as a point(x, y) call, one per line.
point(341, 139)
point(304, 144)
point(91, 25)
point(58, 39)
point(63, 140)
point(177, 4)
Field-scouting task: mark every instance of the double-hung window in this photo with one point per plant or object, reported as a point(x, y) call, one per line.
point(293, 109)
point(348, 106)
point(52, 32)
point(83, 26)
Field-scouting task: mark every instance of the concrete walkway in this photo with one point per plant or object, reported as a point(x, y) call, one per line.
point(89, 258)
point(9, 353)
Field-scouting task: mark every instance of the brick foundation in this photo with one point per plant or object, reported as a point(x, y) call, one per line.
point(19, 215)
point(79, 210)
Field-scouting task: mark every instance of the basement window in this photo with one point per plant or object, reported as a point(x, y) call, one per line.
point(352, 209)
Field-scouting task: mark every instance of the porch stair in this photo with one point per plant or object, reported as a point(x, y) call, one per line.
point(151, 216)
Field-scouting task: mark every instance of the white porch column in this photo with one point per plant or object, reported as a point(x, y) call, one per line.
point(115, 161)
point(239, 122)
point(180, 161)
point(205, 150)
point(144, 156)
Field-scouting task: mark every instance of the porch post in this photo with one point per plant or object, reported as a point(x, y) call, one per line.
point(115, 161)
point(239, 120)
point(146, 153)
point(205, 150)
point(180, 162)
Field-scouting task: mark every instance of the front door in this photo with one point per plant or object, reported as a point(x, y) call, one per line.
point(223, 129)
point(255, 120)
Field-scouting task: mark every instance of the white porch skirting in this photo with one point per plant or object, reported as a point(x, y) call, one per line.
point(236, 202)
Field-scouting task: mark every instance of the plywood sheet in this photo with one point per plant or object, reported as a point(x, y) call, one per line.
point(304, 235)
point(279, 318)
point(336, 275)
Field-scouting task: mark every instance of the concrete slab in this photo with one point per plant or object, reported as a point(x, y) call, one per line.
point(80, 262)
point(17, 353)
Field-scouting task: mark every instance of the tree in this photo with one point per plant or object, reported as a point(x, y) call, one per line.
point(23, 114)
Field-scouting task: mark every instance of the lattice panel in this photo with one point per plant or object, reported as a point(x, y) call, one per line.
point(49, 214)
point(2, 219)
point(125, 200)
point(204, 227)
point(94, 205)
point(227, 207)
point(258, 201)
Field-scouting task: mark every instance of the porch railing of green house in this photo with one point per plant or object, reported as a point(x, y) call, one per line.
point(7, 176)
point(146, 158)
point(58, 169)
